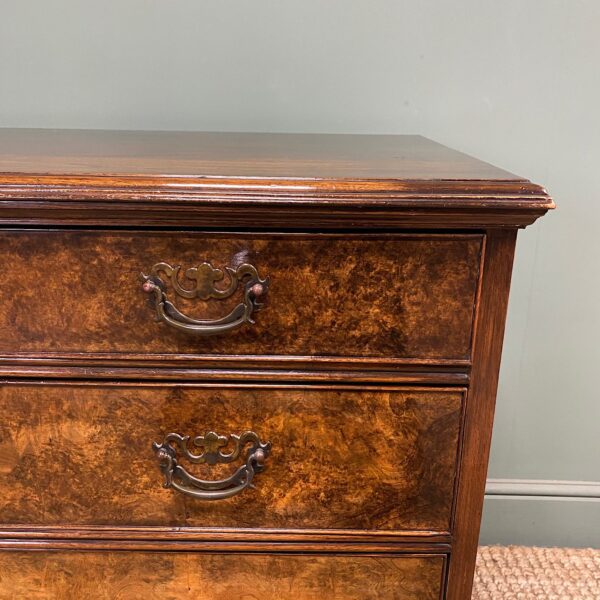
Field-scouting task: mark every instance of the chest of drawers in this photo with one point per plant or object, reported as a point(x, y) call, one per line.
point(248, 365)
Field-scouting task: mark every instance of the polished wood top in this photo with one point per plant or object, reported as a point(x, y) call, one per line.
point(145, 178)
point(235, 155)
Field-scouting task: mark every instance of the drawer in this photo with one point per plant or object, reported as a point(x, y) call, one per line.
point(398, 297)
point(315, 457)
point(171, 576)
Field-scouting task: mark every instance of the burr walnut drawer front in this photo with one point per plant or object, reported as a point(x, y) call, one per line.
point(257, 456)
point(170, 576)
point(239, 296)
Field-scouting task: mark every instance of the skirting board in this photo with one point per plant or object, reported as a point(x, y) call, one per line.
point(543, 487)
point(541, 513)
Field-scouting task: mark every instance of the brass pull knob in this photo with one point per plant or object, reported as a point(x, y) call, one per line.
point(206, 277)
point(214, 452)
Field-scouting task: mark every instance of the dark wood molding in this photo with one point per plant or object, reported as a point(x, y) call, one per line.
point(256, 385)
point(169, 535)
point(217, 547)
point(224, 361)
point(309, 216)
point(56, 370)
point(429, 191)
point(230, 361)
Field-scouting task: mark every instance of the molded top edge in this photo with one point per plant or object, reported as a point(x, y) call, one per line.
point(391, 172)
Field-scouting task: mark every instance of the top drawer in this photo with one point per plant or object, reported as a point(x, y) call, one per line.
point(398, 297)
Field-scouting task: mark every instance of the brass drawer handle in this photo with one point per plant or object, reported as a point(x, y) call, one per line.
point(214, 445)
point(206, 277)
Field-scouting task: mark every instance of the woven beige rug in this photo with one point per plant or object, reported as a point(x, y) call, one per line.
point(520, 573)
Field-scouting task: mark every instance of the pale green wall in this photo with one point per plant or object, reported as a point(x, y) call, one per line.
point(515, 82)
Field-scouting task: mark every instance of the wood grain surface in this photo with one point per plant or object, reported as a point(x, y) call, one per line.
point(248, 155)
point(403, 297)
point(369, 459)
point(173, 576)
point(178, 179)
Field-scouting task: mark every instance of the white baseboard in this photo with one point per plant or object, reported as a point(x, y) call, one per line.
point(543, 487)
point(541, 513)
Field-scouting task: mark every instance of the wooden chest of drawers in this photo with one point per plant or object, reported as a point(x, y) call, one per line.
point(248, 365)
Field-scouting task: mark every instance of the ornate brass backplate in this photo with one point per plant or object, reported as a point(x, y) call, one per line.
point(213, 451)
point(205, 278)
